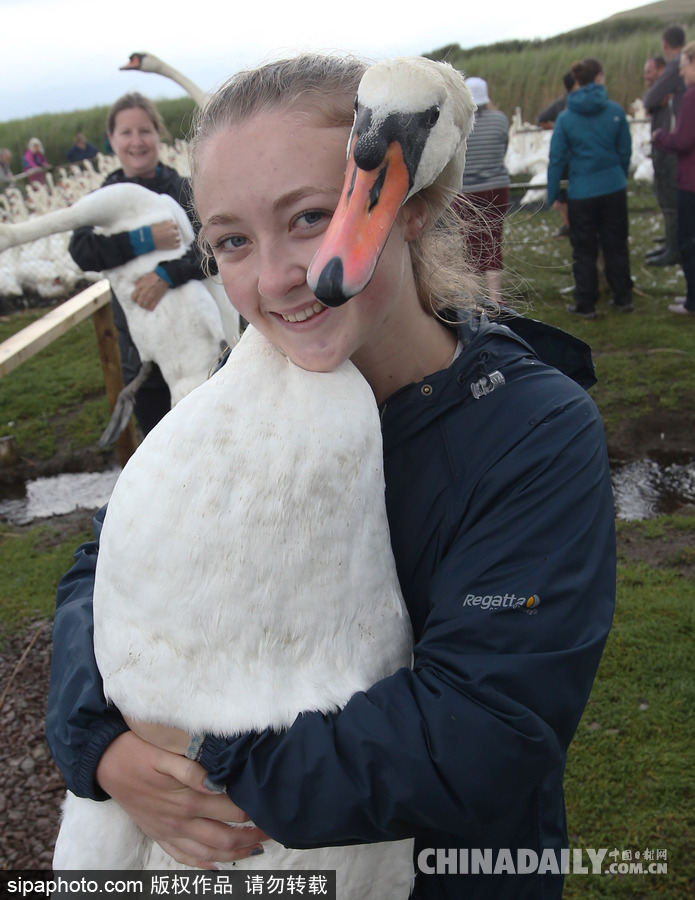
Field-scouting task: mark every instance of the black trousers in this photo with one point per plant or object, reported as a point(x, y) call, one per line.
point(600, 222)
point(686, 241)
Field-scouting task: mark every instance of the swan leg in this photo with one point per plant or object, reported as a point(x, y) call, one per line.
point(124, 406)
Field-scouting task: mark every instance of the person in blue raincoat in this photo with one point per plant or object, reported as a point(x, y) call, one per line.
point(500, 508)
point(592, 138)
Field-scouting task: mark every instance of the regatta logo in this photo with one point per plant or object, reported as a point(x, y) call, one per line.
point(529, 605)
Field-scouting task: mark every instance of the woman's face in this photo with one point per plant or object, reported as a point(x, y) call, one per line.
point(135, 142)
point(265, 192)
point(687, 69)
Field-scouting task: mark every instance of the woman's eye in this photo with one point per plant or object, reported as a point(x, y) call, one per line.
point(235, 242)
point(312, 217)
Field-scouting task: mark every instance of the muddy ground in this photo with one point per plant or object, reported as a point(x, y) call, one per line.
point(31, 788)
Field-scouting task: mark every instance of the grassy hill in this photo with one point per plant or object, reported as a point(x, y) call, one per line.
point(526, 74)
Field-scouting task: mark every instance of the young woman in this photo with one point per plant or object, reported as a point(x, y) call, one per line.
point(592, 137)
point(681, 141)
point(500, 508)
point(134, 129)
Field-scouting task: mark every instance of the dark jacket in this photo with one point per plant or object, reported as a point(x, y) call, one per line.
point(501, 514)
point(550, 113)
point(95, 252)
point(682, 141)
point(592, 136)
point(669, 85)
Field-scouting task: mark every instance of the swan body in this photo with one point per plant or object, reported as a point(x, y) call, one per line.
point(184, 333)
point(148, 62)
point(412, 119)
point(259, 585)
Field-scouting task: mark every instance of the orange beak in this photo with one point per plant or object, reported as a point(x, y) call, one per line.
point(359, 229)
point(133, 63)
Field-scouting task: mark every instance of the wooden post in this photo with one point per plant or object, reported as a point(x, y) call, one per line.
point(109, 354)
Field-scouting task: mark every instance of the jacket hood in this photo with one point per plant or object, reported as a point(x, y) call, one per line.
point(588, 100)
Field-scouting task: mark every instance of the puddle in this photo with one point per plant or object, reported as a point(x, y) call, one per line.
point(58, 495)
point(660, 484)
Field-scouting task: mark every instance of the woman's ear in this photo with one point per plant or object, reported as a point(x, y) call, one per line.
point(413, 216)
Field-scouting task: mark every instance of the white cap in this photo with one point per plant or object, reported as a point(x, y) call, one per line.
point(478, 87)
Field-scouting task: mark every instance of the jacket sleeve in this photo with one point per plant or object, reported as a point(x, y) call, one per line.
point(189, 267)
point(667, 84)
point(80, 724)
point(96, 252)
point(520, 607)
point(558, 157)
point(682, 138)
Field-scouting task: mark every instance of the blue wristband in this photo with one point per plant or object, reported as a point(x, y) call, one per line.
point(141, 240)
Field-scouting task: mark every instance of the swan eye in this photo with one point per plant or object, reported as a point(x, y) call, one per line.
point(432, 117)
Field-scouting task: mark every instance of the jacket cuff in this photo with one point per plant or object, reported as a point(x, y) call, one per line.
point(110, 727)
point(141, 240)
point(164, 275)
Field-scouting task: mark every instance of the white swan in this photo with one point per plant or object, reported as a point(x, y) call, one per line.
point(184, 333)
point(412, 119)
point(148, 62)
point(260, 584)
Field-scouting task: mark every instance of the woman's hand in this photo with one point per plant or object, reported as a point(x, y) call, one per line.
point(165, 795)
point(165, 235)
point(149, 290)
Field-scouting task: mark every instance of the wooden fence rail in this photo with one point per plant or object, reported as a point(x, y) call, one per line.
point(95, 301)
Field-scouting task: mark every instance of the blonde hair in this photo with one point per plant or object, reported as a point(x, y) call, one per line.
point(322, 88)
point(689, 51)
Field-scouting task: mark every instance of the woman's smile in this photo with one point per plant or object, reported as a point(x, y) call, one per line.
point(302, 315)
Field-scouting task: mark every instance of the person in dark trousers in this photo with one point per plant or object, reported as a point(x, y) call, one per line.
point(662, 100)
point(592, 138)
point(489, 439)
point(681, 143)
point(546, 119)
point(135, 128)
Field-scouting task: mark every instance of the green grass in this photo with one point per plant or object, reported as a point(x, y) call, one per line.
point(629, 782)
point(32, 562)
point(54, 402)
point(643, 360)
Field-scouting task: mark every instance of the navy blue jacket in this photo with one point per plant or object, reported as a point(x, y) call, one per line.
point(502, 524)
point(593, 136)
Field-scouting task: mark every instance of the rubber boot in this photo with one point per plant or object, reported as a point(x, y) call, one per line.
point(670, 255)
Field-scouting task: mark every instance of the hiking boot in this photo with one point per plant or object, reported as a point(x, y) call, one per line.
point(583, 314)
point(666, 258)
point(621, 307)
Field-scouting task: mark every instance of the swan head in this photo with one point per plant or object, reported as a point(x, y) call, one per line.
point(412, 119)
point(143, 62)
